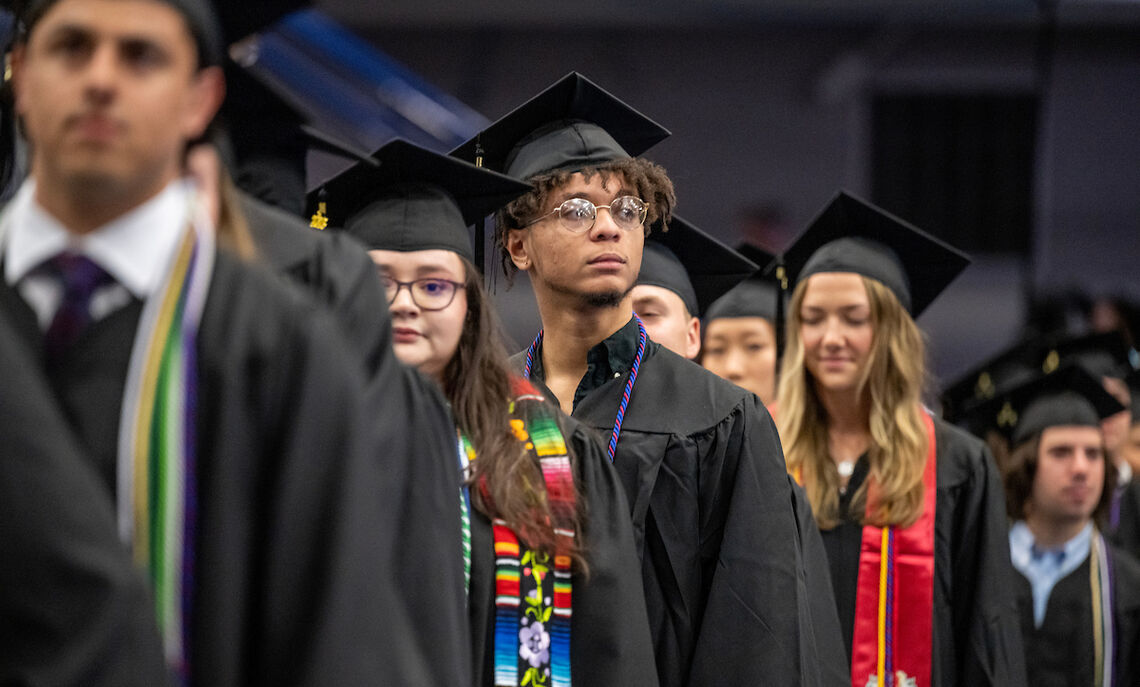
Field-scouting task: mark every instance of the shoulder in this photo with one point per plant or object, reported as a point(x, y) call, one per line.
point(247, 305)
point(678, 396)
point(285, 241)
point(961, 457)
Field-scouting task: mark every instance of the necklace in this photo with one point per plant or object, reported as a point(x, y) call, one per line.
point(846, 468)
point(641, 337)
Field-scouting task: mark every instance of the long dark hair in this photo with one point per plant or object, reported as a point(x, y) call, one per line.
point(477, 382)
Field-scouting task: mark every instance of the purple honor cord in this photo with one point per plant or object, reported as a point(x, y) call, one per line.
point(626, 393)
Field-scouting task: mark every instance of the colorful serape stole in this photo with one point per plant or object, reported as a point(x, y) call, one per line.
point(533, 598)
point(1104, 635)
point(157, 491)
point(894, 602)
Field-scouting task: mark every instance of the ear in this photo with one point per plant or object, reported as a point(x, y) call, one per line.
point(516, 242)
point(208, 89)
point(16, 63)
point(693, 338)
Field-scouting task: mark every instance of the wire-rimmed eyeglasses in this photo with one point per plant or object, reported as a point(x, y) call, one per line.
point(577, 215)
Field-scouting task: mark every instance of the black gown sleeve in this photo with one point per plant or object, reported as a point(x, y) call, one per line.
point(337, 494)
point(751, 628)
point(988, 646)
point(610, 639)
point(824, 653)
point(73, 608)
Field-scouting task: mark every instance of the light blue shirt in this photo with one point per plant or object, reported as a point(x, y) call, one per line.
point(1045, 567)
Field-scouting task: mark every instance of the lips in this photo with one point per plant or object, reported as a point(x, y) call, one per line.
point(95, 126)
point(405, 335)
point(611, 260)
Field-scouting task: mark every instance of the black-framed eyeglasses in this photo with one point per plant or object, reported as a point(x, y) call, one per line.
point(428, 294)
point(577, 215)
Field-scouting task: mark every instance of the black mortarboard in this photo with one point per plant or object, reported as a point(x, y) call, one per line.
point(692, 264)
point(756, 296)
point(199, 15)
point(852, 235)
point(1102, 355)
point(415, 199)
point(1068, 397)
point(1009, 368)
point(571, 125)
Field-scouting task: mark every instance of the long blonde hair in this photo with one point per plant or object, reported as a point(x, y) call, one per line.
point(893, 379)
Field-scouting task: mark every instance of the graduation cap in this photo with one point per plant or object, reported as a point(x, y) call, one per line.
point(852, 235)
point(692, 264)
point(271, 135)
point(415, 199)
point(1102, 355)
point(756, 296)
point(199, 15)
point(1068, 397)
point(1009, 368)
point(571, 125)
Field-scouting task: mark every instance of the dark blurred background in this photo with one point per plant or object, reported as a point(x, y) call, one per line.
point(1008, 128)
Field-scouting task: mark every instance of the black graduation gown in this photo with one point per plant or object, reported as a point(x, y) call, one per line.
point(712, 518)
point(825, 656)
point(301, 519)
point(976, 637)
point(1060, 652)
point(413, 423)
point(73, 608)
point(1126, 534)
point(332, 266)
point(610, 642)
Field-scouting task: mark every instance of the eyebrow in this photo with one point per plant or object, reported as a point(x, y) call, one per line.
point(565, 196)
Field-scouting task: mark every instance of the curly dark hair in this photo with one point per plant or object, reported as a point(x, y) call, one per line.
point(647, 179)
point(1021, 469)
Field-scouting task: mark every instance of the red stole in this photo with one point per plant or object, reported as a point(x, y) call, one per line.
point(894, 603)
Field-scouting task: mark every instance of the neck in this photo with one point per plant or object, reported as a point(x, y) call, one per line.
point(1053, 534)
point(570, 332)
point(848, 423)
point(83, 208)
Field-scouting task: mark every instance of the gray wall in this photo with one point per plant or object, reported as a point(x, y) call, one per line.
point(783, 113)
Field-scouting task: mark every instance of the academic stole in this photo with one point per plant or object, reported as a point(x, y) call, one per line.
point(157, 490)
point(532, 599)
point(1104, 635)
point(894, 602)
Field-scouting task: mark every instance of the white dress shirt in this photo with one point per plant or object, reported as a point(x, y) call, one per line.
point(135, 249)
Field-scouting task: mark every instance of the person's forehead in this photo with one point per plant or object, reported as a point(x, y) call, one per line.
point(738, 327)
point(1071, 434)
point(609, 183)
point(120, 19)
point(649, 292)
point(835, 288)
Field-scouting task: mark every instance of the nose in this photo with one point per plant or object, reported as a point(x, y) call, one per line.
point(403, 304)
point(101, 73)
point(604, 229)
point(734, 365)
point(832, 333)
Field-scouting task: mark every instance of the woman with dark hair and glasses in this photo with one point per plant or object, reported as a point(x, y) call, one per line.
point(553, 579)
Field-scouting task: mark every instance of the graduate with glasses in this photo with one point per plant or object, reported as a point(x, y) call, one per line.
point(553, 585)
point(698, 457)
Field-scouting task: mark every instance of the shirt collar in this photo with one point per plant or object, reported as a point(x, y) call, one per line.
point(616, 351)
point(134, 248)
point(1022, 548)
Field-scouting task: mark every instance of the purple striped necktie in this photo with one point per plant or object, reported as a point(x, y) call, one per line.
point(81, 277)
